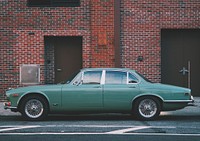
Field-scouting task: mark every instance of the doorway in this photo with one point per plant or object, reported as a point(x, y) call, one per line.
point(63, 57)
point(180, 58)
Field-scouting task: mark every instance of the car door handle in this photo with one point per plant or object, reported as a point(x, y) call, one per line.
point(97, 87)
point(132, 87)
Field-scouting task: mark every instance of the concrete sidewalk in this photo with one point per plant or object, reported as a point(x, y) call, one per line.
point(7, 112)
point(195, 109)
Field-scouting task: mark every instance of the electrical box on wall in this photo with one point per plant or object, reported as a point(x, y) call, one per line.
point(29, 74)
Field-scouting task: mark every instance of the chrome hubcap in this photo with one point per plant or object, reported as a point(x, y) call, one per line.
point(147, 108)
point(34, 108)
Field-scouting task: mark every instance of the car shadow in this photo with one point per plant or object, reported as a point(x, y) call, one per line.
point(120, 118)
point(94, 117)
point(105, 117)
point(179, 118)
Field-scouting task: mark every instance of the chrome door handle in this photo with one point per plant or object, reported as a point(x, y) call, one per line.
point(97, 87)
point(59, 69)
point(132, 87)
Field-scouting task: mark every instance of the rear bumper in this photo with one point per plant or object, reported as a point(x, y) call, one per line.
point(169, 105)
point(191, 100)
point(192, 103)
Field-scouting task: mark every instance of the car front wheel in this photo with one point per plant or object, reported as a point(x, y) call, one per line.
point(147, 108)
point(34, 108)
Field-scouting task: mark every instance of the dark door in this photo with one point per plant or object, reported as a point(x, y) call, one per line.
point(180, 58)
point(67, 56)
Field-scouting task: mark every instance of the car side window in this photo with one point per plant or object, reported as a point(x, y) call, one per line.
point(132, 79)
point(92, 77)
point(77, 79)
point(116, 77)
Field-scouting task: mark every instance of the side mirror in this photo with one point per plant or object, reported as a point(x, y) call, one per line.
point(77, 83)
point(132, 81)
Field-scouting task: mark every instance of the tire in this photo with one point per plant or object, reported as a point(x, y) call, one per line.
point(34, 108)
point(147, 108)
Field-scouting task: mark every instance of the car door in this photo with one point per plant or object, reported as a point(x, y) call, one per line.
point(84, 95)
point(119, 90)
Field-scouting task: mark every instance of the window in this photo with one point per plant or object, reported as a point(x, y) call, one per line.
point(132, 79)
point(116, 77)
point(53, 3)
point(92, 77)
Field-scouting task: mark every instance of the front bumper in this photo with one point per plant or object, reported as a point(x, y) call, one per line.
point(7, 105)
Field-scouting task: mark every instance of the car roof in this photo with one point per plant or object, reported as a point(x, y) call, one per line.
point(110, 69)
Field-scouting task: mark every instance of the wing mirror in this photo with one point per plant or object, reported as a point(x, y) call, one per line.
point(77, 83)
point(132, 81)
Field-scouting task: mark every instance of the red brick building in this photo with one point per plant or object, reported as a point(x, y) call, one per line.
point(45, 41)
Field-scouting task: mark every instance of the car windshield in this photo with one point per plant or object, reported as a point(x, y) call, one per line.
point(72, 77)
point(143, 77)
point(69, 79)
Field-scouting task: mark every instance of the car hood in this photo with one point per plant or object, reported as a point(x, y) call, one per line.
point(33, 88)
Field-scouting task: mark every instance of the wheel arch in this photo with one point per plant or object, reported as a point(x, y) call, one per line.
point(33, 94)
point(159, 98)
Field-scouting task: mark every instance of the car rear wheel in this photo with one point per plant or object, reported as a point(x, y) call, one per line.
point(147, 108)
point(34, 108)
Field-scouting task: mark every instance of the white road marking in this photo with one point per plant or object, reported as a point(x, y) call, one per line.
point(17, 128)
point(87, 133)
point(128, 130)
point(120, 131)
point(89, 126)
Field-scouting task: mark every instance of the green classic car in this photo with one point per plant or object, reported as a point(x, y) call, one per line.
point(99, 90)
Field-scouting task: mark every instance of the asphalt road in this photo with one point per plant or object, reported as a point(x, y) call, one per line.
point(181, 125)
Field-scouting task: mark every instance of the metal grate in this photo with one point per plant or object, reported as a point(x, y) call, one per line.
point(30, 74)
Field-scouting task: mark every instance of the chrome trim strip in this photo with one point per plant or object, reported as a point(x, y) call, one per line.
point(8, 107)
point(103, 76)
point(177, 101)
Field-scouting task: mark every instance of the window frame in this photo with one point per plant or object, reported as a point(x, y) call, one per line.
point(127, 77)
point(117, 71)
point(82, 77)
point(138, 80)
point(103, 77)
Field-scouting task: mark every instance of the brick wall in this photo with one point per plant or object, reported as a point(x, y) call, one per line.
point(22, 32)
point(23, 28)
point(141, 24)
point(102, 33)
